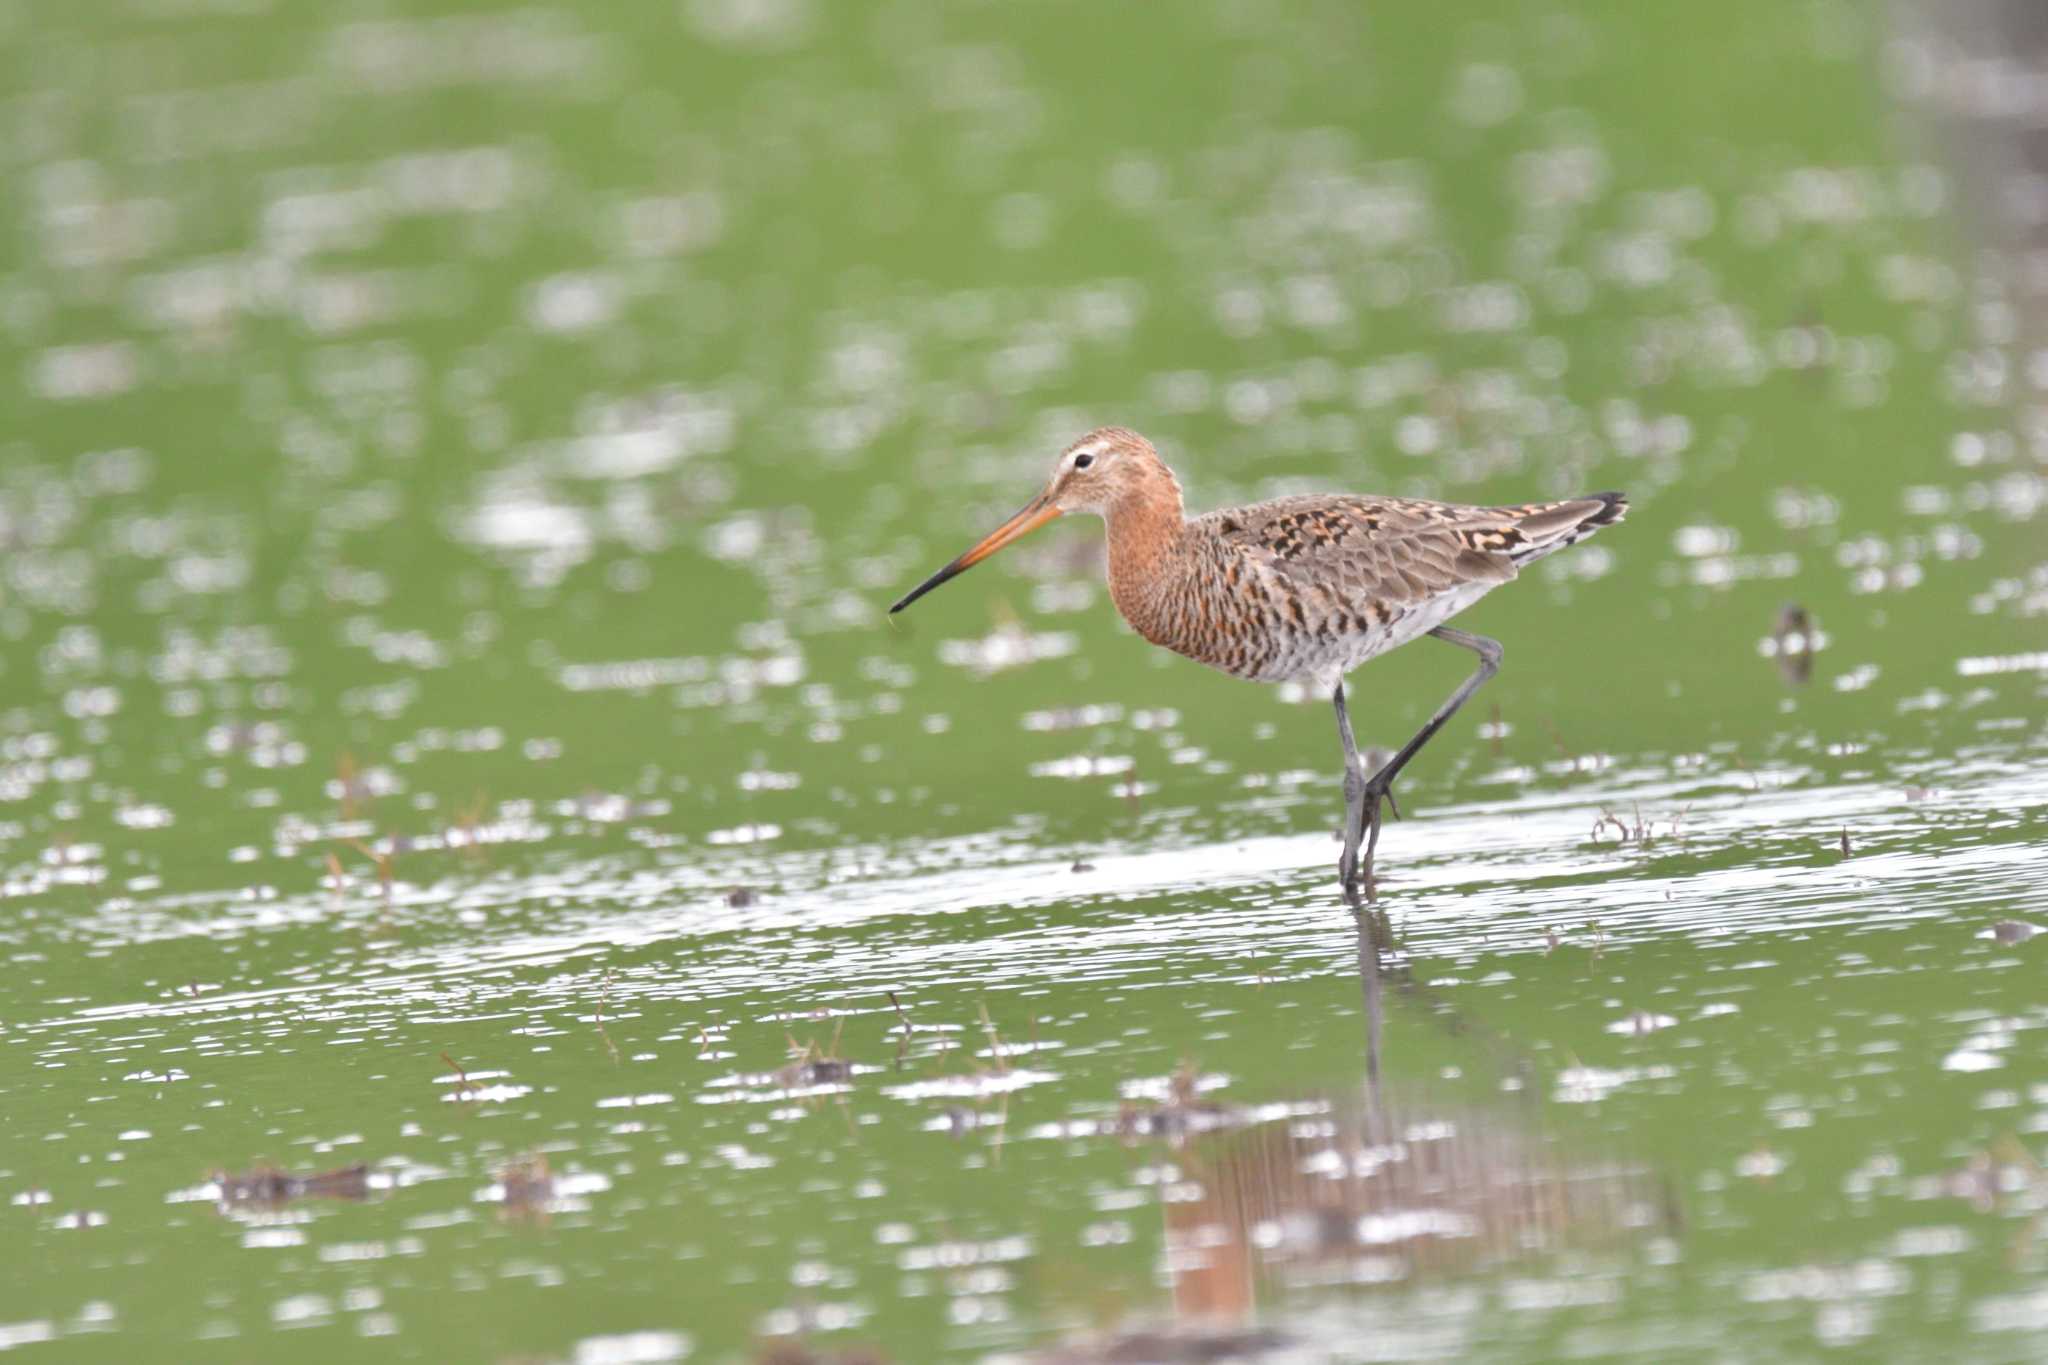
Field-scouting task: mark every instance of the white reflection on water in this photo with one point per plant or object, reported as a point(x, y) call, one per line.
point(1482, 877)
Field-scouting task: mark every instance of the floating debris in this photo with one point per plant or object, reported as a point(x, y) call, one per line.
point(1642, 831)
point(957, 1121)
point(740, 897)
point(815, 1073)
point(1981, 1181)
point(1182, 1113)
point(526, 1187)
point(2010, 931)
point(1189, 1343)
point(1179, 1114)
point(1178, 1122)
point(1641, 1022)
point(267, 1187)
point(802, 1353)
point(804, 1079)
point(2007, 1174)
point(816, 1067)
point(468, 1091)
point(1793, 642)
point(813, 1070)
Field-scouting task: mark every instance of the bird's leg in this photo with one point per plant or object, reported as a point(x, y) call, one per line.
point(1363, 795)
point(1380, 785)
point(1355, 783)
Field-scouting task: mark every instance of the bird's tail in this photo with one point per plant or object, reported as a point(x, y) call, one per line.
point(1544, 528)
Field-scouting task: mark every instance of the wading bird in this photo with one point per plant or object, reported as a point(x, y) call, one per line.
point(1301, 589)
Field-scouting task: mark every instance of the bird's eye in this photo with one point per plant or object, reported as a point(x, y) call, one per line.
point(1083, 461)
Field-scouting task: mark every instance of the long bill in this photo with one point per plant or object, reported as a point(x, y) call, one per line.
point(1036, 513)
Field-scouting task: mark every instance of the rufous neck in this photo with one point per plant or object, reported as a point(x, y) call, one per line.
point(1145, 523)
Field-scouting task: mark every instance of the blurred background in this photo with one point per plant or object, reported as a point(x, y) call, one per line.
point(456, 463)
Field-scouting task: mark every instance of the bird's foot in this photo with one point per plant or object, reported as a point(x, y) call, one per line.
point(1362, 834)
point(1355, 879)
point(1354, 870)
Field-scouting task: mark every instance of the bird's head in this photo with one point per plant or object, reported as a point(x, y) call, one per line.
point(1101, 469)
point(1107, 466)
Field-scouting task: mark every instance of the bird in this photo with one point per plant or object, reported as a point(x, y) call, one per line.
point(1299, 589)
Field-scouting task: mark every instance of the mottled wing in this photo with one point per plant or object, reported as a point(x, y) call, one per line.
point(1361, 551)
point(1402, 552)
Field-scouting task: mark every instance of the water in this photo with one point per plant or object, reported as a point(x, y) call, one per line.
point(482, 879)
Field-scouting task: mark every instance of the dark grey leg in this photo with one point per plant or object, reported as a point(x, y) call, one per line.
point(1354, 799)
point(1365, 812)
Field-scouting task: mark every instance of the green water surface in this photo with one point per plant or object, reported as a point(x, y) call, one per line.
point(455, 465)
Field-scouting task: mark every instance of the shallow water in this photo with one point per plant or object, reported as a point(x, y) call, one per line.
point(448, 724)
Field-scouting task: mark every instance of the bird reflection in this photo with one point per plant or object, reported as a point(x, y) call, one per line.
point(1387, 1192)
point(1380, 1187)
point(1374, 934)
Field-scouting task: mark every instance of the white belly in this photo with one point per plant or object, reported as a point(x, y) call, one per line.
point(1323, 665)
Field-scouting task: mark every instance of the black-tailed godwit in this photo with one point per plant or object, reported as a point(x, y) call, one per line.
point(1301, 589)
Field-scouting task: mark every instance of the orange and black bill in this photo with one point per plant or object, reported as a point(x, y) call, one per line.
point(1037, 513)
